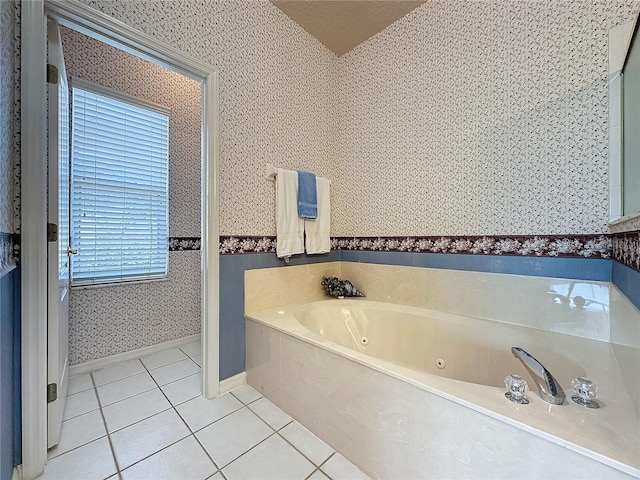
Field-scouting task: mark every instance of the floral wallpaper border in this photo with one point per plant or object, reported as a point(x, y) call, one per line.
point(538, 245)
point(177, 244)
point(626, 249)
point(234, 245)
point(587, 246)
point(623, 247)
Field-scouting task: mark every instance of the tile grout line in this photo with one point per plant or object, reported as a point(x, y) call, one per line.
point(106, 429)
point(87, 442)
point(325, 462)
point(191, 358)
point(191, 432)
point(300, 452)
point(142, 419)
point(166, 446)
point(277, 432)
point(311, 474)
point(148, 372)
point(133, 375)
point(244, 453)
point(244, 405)
point(112, 366)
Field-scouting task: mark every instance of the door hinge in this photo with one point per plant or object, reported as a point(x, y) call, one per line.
point(52, 74)
point(52, 392)
point(52, 232)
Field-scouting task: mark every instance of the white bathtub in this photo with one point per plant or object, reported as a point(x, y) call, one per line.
point(365, 377)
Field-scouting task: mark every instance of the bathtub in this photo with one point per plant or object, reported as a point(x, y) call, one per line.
point(406, 392)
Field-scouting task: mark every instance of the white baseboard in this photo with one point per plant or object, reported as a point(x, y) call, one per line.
point(232, 383)
point(92, 365)
point(17, 473)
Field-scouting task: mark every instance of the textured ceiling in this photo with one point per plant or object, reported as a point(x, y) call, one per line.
point(343, 24)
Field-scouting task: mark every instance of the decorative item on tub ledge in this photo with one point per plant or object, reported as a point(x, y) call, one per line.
point(337, 287)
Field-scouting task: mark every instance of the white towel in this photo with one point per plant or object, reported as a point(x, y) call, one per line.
point(289, 226)
point(318, 235)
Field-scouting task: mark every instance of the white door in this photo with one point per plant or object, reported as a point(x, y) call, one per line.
point(58, 246)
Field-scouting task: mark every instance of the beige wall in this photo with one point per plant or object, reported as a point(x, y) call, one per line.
point(472, 118)
point(108, 320)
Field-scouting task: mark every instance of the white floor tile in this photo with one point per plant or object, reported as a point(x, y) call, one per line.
point(150, 439)
point(80, 403)
point(185, 460)
point(273, 459)
point(311, 446)
point(93, 460)
point(127, 387)
point(147, 437)
point(192, 349)
point(165, 357)
point(133, 409)
point(270, 413)
point(200, 412)
point(339, 468)
point(184, 389)
point(318, 475)
point(78, 431)
point(233, 435)
point(197, 359)
point(174, 371)
point(246, 394)
point(117, 371)
point(79, 383)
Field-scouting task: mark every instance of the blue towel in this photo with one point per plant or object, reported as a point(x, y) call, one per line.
point(307, 195)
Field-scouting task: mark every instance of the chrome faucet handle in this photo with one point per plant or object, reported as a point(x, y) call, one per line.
point(585, 392)
point(517, 389)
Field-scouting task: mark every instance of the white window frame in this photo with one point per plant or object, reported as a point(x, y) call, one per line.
point(117, 95)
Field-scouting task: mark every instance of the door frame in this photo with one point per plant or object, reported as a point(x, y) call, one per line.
point(96, 24)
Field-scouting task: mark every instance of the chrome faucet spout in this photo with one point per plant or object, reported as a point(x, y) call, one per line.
point(548, 387)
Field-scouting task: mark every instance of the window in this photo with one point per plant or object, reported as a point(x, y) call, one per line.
point(119, 187)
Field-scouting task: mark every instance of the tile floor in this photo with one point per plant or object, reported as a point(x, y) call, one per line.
point(146, 419)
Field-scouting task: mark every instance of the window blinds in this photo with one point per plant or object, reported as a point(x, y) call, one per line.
point(119, 188)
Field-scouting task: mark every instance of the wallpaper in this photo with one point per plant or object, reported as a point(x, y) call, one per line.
point(108, 320)
point(278, 94)
point(7, 110)
point(478, 118)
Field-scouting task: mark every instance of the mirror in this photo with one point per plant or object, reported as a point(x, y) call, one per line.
point(631, 127)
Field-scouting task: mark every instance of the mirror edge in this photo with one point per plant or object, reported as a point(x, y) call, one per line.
point(620, 40)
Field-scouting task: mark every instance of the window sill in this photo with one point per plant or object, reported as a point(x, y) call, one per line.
point(117, 284)
point(628, 223)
